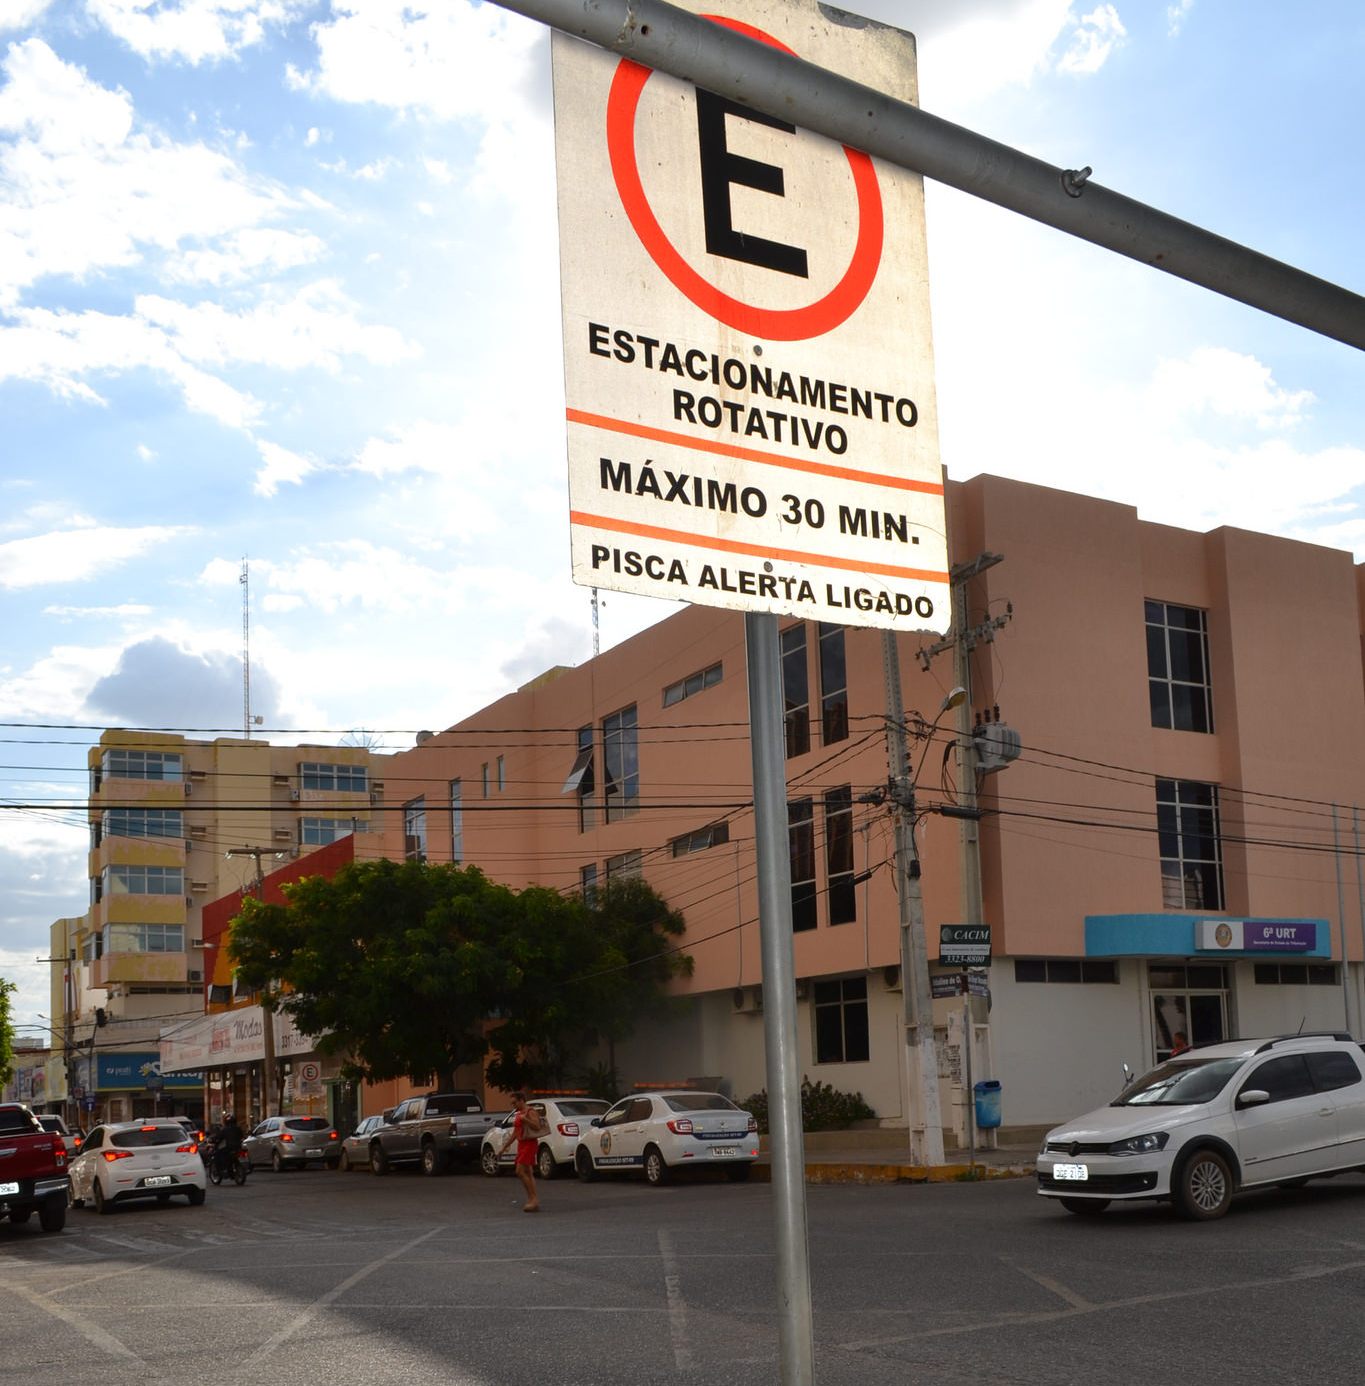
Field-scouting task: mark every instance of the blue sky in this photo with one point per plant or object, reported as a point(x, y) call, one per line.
point(278, 279)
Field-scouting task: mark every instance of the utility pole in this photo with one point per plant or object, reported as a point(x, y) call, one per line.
point(270, 1096)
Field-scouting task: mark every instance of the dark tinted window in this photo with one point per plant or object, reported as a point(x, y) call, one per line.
point(1334, 1070)
point(641, 1109)
point(586, 1108)
point(15, 1120)
point(1178, 1082)
point(1282, 1078)
point(306, 1124)
point(617, 1114)
point(699, 1102)
point(142, 1137)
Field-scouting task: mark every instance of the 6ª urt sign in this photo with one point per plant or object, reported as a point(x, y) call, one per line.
point(748, 366)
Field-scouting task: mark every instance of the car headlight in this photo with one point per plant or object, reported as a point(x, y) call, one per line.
point(1141, 1145)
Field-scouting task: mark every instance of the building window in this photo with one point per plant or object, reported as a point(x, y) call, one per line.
point(143, 880)
point(621, 763)
point(581, 781)
point(483, 775)
point(1178, 667)
point(1297, 974)
point(713, 835)
point(841, 1021)
point(339, 779)
point(502, 773)
point(795, 690)
point(318, 832)
point(693, 683)
point(843, 905)
point(220, 995)
point(142, 765)
point(456, 822)
point(587, 883)
point(833, 684)
point(129, 822)
point(1191, 857)
point(415, 830)
point(625, 864)
point(96, 889)
point(801, 834)
point(144, 938)
point(1066, 970)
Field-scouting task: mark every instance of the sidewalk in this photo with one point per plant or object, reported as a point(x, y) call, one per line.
point(883, 1157)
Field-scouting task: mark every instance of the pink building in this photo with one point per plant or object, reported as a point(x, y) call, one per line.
point(1192, 715)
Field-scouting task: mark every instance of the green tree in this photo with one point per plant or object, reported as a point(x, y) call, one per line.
point(393, 967)
point(7, 989)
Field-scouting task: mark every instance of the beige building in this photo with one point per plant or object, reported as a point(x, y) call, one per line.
point(1191, 709)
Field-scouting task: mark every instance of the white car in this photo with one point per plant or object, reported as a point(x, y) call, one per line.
point(1204, 1126)
point(659, 1133)
point(126, 1160)
point(568, 1119)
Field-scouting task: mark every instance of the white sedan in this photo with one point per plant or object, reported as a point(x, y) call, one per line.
point(126, 1160)
point(659, 1133)
point(568, 1119)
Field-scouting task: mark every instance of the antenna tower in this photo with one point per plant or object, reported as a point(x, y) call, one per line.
point(245, 580)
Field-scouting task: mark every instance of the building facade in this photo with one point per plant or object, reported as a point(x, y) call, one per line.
point(1191, 710)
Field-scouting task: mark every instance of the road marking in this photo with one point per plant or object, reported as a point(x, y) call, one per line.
point(1048, 1283)
point(301, 1320)
point(677, 1305)
point(91, 1332)
point(134, 1243)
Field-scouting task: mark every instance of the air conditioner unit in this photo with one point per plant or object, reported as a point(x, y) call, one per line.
point(280, 779)
point(284, 834)
point(891, 978)
point(194, 975)
point(189, 789)
point(198, 830)
point(199, 885)
point(376, 796)
point(189, 901)
point(747, 1000)
point(294, 794)
point(802, 988)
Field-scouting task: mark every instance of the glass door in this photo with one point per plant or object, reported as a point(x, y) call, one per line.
point(1189, 1007)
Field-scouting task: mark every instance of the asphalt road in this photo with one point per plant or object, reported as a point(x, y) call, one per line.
point(321, 1277)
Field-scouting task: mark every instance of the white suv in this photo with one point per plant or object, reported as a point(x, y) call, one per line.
point(1212, 1122)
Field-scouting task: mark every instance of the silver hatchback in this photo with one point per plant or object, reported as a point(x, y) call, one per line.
point(291, 1142)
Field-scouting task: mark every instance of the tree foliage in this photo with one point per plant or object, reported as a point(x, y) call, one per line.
point(406, 970)
point(7, 989)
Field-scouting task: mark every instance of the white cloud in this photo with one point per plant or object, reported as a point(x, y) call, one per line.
point(85, 613)
point(193, 30)
point(145, 453)
point(1228, 384)
point(73, 555)
point(53, 688)
point(86, 190)
point(1093, 40)
point(1176, 15)
point(246, 254)
point(281, 467)
point(20, 14)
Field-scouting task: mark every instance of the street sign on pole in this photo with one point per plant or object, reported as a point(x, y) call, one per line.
point(748, 362)
point(964, 945)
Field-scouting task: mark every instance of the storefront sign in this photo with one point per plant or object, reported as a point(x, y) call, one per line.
point(229, 1038)
point(1256, 935)
point(966, 945)
point(128, 1072)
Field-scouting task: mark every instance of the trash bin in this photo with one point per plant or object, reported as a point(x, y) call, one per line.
point(987, 1104)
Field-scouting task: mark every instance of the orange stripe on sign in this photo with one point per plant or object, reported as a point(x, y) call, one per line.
point(698, 541)
point(768, 459)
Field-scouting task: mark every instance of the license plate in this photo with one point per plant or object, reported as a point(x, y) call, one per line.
point(318, 1150)
point(725, 1150)
point(153, 1181)
point(9, 1188)
point(1077, 1172)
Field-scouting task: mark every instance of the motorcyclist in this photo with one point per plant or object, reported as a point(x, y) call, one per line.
point(227, 1144)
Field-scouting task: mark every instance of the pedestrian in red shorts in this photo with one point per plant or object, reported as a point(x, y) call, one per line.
point(527, 1128)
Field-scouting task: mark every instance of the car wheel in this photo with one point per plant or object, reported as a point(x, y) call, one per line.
point(546, 1164)
point(1203, 1187)
point(333, 1163)
point(488, 1161)
point(344, 1163)
point(737, 1174)
point(19, 1216)
point(102, 1204)
point(276, 1163)
point(656, 1168)
point(215, 1172)
point(196, 1196)
point(52, 1214)
point(379, 1162)
point(433, 1162)
point(1084, 1207)
point(583, 1166)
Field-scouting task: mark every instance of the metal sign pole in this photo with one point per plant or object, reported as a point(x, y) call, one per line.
point(796, 1336)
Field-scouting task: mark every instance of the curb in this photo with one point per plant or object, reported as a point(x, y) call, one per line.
point(865, 1172)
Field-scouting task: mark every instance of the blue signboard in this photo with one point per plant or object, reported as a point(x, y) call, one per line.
point(135, 1072)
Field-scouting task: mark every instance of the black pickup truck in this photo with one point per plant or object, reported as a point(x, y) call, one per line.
point(431, 1130)
point(33, 1177)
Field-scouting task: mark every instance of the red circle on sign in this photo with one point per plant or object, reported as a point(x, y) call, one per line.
point(775, 324)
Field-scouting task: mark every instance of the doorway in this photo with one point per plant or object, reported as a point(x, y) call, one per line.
point(1189, 999)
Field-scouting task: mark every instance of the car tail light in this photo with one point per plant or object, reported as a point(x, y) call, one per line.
point(285, 1136)
point(753, 1123)
point(190, 1149)
point(59, 1154)
point(147, 1128)
point(112, 1155)
point(568, 1128)
point(333, 1136)
point(680, 1126)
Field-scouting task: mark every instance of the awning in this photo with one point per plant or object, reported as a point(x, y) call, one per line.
point(228, 1038)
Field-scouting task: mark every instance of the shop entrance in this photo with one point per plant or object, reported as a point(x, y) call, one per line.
point(1187, 999)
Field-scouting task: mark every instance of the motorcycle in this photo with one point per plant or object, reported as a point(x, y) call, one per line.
point(238, 1164)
